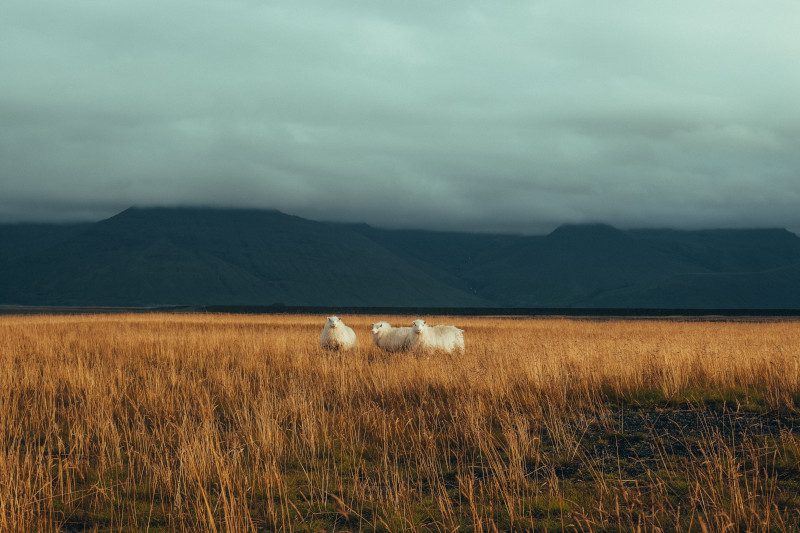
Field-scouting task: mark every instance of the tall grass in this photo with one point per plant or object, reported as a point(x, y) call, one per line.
point(239, 423)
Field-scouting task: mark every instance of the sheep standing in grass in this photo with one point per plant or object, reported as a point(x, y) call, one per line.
point(428, 338)
point(391, 339)
point(336, 336)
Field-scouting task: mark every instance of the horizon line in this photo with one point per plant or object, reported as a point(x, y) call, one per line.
point(233, 208)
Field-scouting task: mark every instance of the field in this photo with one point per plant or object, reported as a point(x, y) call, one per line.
point(238, 423)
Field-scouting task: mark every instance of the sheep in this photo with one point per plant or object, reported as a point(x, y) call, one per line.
point(391, 339)
point(445, 338)
point(336, 336)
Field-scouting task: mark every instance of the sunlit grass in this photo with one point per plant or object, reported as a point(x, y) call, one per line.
point(215, 422)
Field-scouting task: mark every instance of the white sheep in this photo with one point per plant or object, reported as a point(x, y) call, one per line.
point(391, 339)
point(445, 338)
point(336, 336)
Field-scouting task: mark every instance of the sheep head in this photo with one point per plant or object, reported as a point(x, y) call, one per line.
point(333, 321)
point(418, 326)
point(377, 327)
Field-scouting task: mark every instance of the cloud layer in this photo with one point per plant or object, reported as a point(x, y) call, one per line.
point(477, 116)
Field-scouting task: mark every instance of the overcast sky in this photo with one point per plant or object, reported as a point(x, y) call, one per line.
point(492, 116)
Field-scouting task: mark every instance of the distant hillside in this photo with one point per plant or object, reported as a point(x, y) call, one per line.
point(195, 256)
point(18, 240)
point(212, 256)
point(777, 288)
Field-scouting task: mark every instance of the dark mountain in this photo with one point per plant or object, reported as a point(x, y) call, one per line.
point(187, 256)
point(217, 256)
point(778, 288)
point(17, 240)
point(744, 250)
point(569, 264)
point(448, 256)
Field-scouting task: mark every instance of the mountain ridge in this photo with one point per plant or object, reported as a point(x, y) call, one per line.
point(228, 256)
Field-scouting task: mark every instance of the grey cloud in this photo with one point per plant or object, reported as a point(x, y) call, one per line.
point(467, 116)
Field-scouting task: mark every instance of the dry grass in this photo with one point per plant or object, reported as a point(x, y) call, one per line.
point(204, 422)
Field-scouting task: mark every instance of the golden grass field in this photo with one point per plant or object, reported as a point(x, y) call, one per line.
point(237, 423)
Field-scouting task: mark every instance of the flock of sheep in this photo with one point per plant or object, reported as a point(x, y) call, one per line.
point(419, 336)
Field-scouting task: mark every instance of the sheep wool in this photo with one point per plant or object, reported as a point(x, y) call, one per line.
point(391, 339)
point(429, 338)
point(337, 336)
